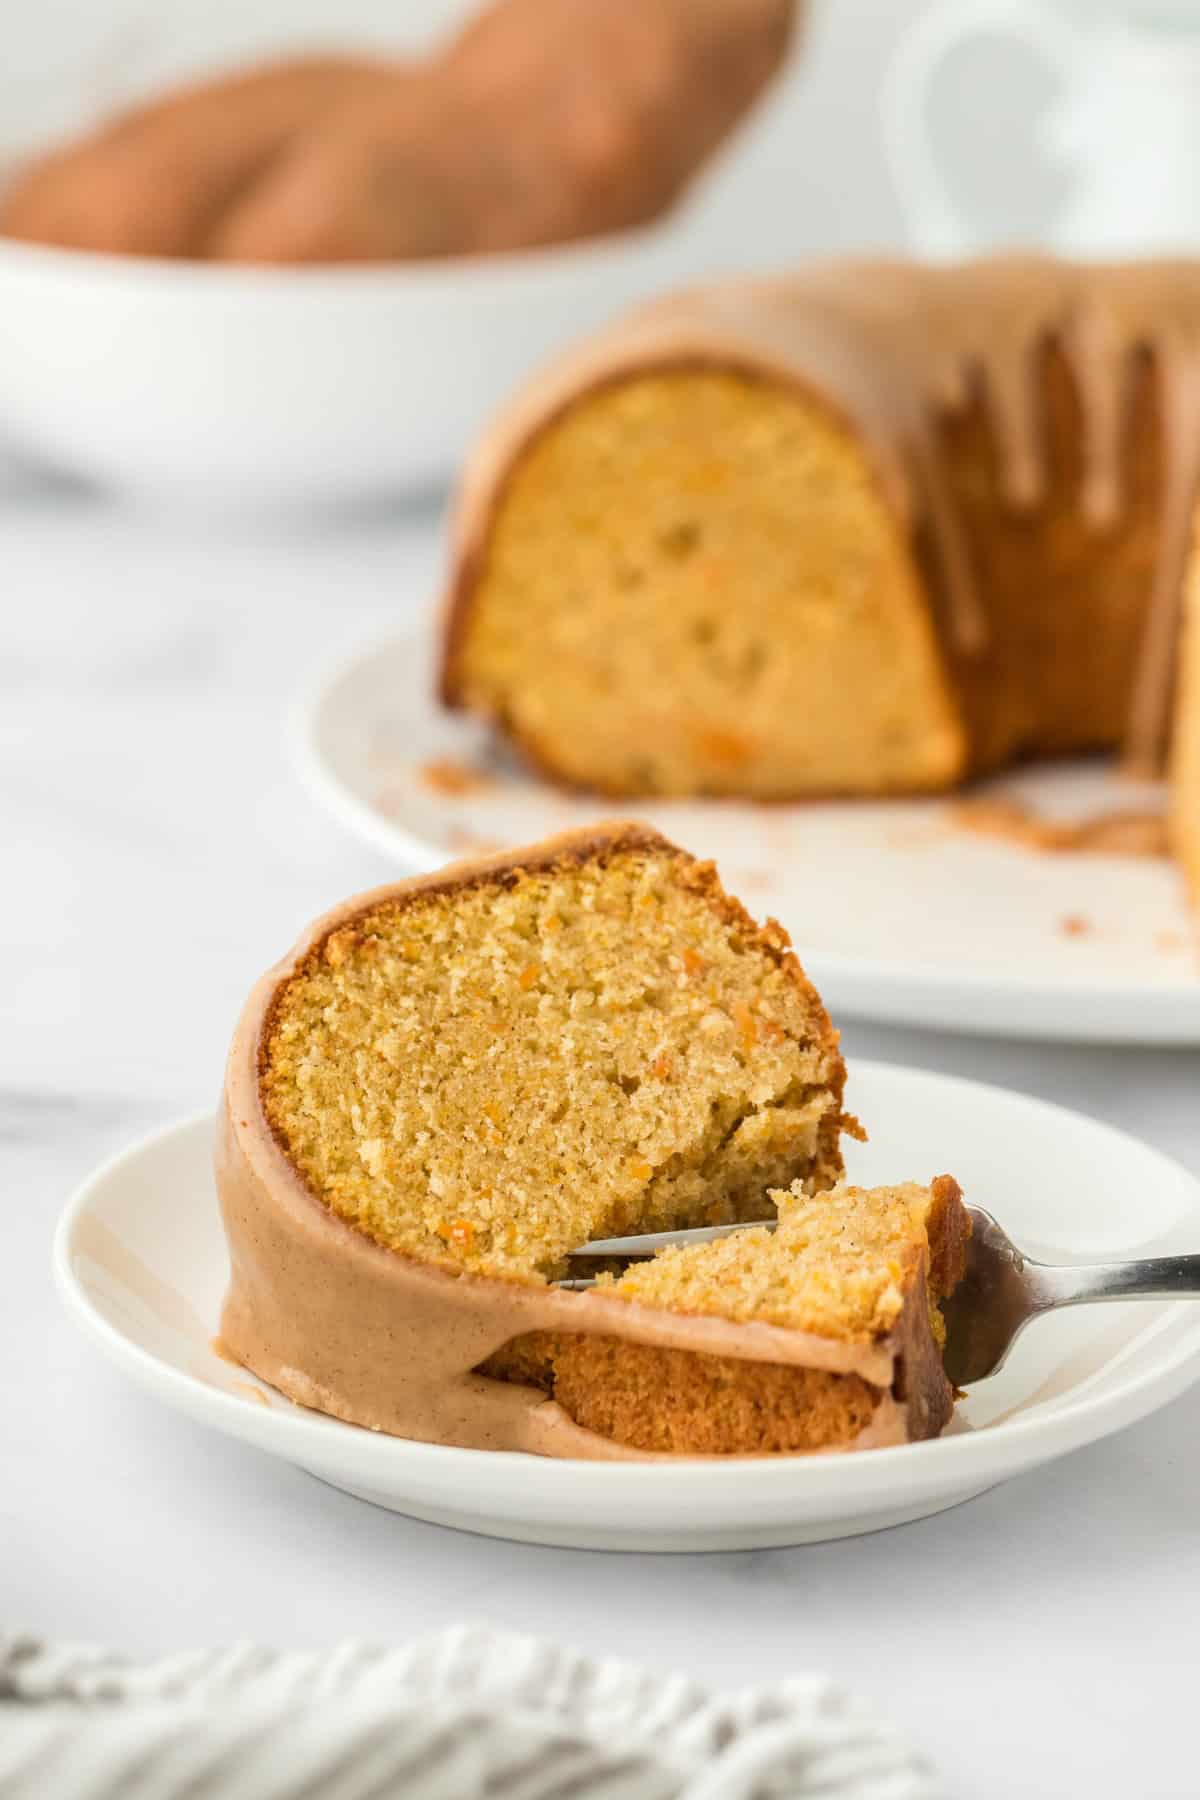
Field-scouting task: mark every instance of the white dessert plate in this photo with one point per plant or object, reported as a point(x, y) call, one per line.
point(898, 912)
point(141, 1263)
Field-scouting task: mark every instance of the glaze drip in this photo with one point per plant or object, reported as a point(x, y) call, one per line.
point(940, 337)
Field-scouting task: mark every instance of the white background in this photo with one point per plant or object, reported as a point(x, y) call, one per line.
point(156, 852)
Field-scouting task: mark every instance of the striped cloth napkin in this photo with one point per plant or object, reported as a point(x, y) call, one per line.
point(469, 1713)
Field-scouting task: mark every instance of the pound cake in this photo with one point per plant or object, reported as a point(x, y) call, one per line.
point(873, 528)
point(452, 1082)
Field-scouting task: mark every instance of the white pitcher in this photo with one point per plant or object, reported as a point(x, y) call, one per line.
point(1126, 122)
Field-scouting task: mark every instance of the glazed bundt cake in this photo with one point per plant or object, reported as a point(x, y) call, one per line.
point(453, 1082)
point(870, 529)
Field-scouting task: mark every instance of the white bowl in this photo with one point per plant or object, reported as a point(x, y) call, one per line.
point(141, 1263)
point(216, 383)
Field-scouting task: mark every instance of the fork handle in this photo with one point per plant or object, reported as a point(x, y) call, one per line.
point(1149, 1278)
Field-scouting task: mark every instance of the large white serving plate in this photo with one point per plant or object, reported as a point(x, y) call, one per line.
point(141, 1263)
point(898, 913)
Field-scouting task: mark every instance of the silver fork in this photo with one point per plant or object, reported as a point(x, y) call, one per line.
point(1002, 1289)
point(649, 1243)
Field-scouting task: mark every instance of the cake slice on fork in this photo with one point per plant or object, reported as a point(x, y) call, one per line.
point(858, 1272)
point(453, 1082)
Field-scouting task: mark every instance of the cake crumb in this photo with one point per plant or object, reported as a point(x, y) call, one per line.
point(1121, 832)
point(449, 776)
point(251, 1392)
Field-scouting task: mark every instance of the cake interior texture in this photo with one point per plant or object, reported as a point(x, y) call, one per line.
point(688, 575)
point(842, 1266)
point(694, 583)
point(487, 1073)
point(839, 1264)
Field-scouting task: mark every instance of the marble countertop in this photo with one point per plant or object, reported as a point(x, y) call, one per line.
point(158, 853)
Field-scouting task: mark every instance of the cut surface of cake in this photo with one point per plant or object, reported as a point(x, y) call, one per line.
point(453, 1082)
point(677, 561)
point(489, 1072)
point(872, 528)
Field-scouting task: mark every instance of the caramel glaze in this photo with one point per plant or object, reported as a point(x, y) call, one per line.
point(338, 1322)
point(893, 346)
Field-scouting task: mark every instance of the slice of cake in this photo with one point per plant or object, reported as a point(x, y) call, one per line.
point(452, 1082)
point(859, 1271)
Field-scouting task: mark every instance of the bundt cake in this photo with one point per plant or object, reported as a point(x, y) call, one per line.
point(451, 1083)
point(869, 529)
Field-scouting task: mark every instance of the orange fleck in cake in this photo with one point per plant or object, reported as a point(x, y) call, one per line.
point(454, 1081)
point(873, 528)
